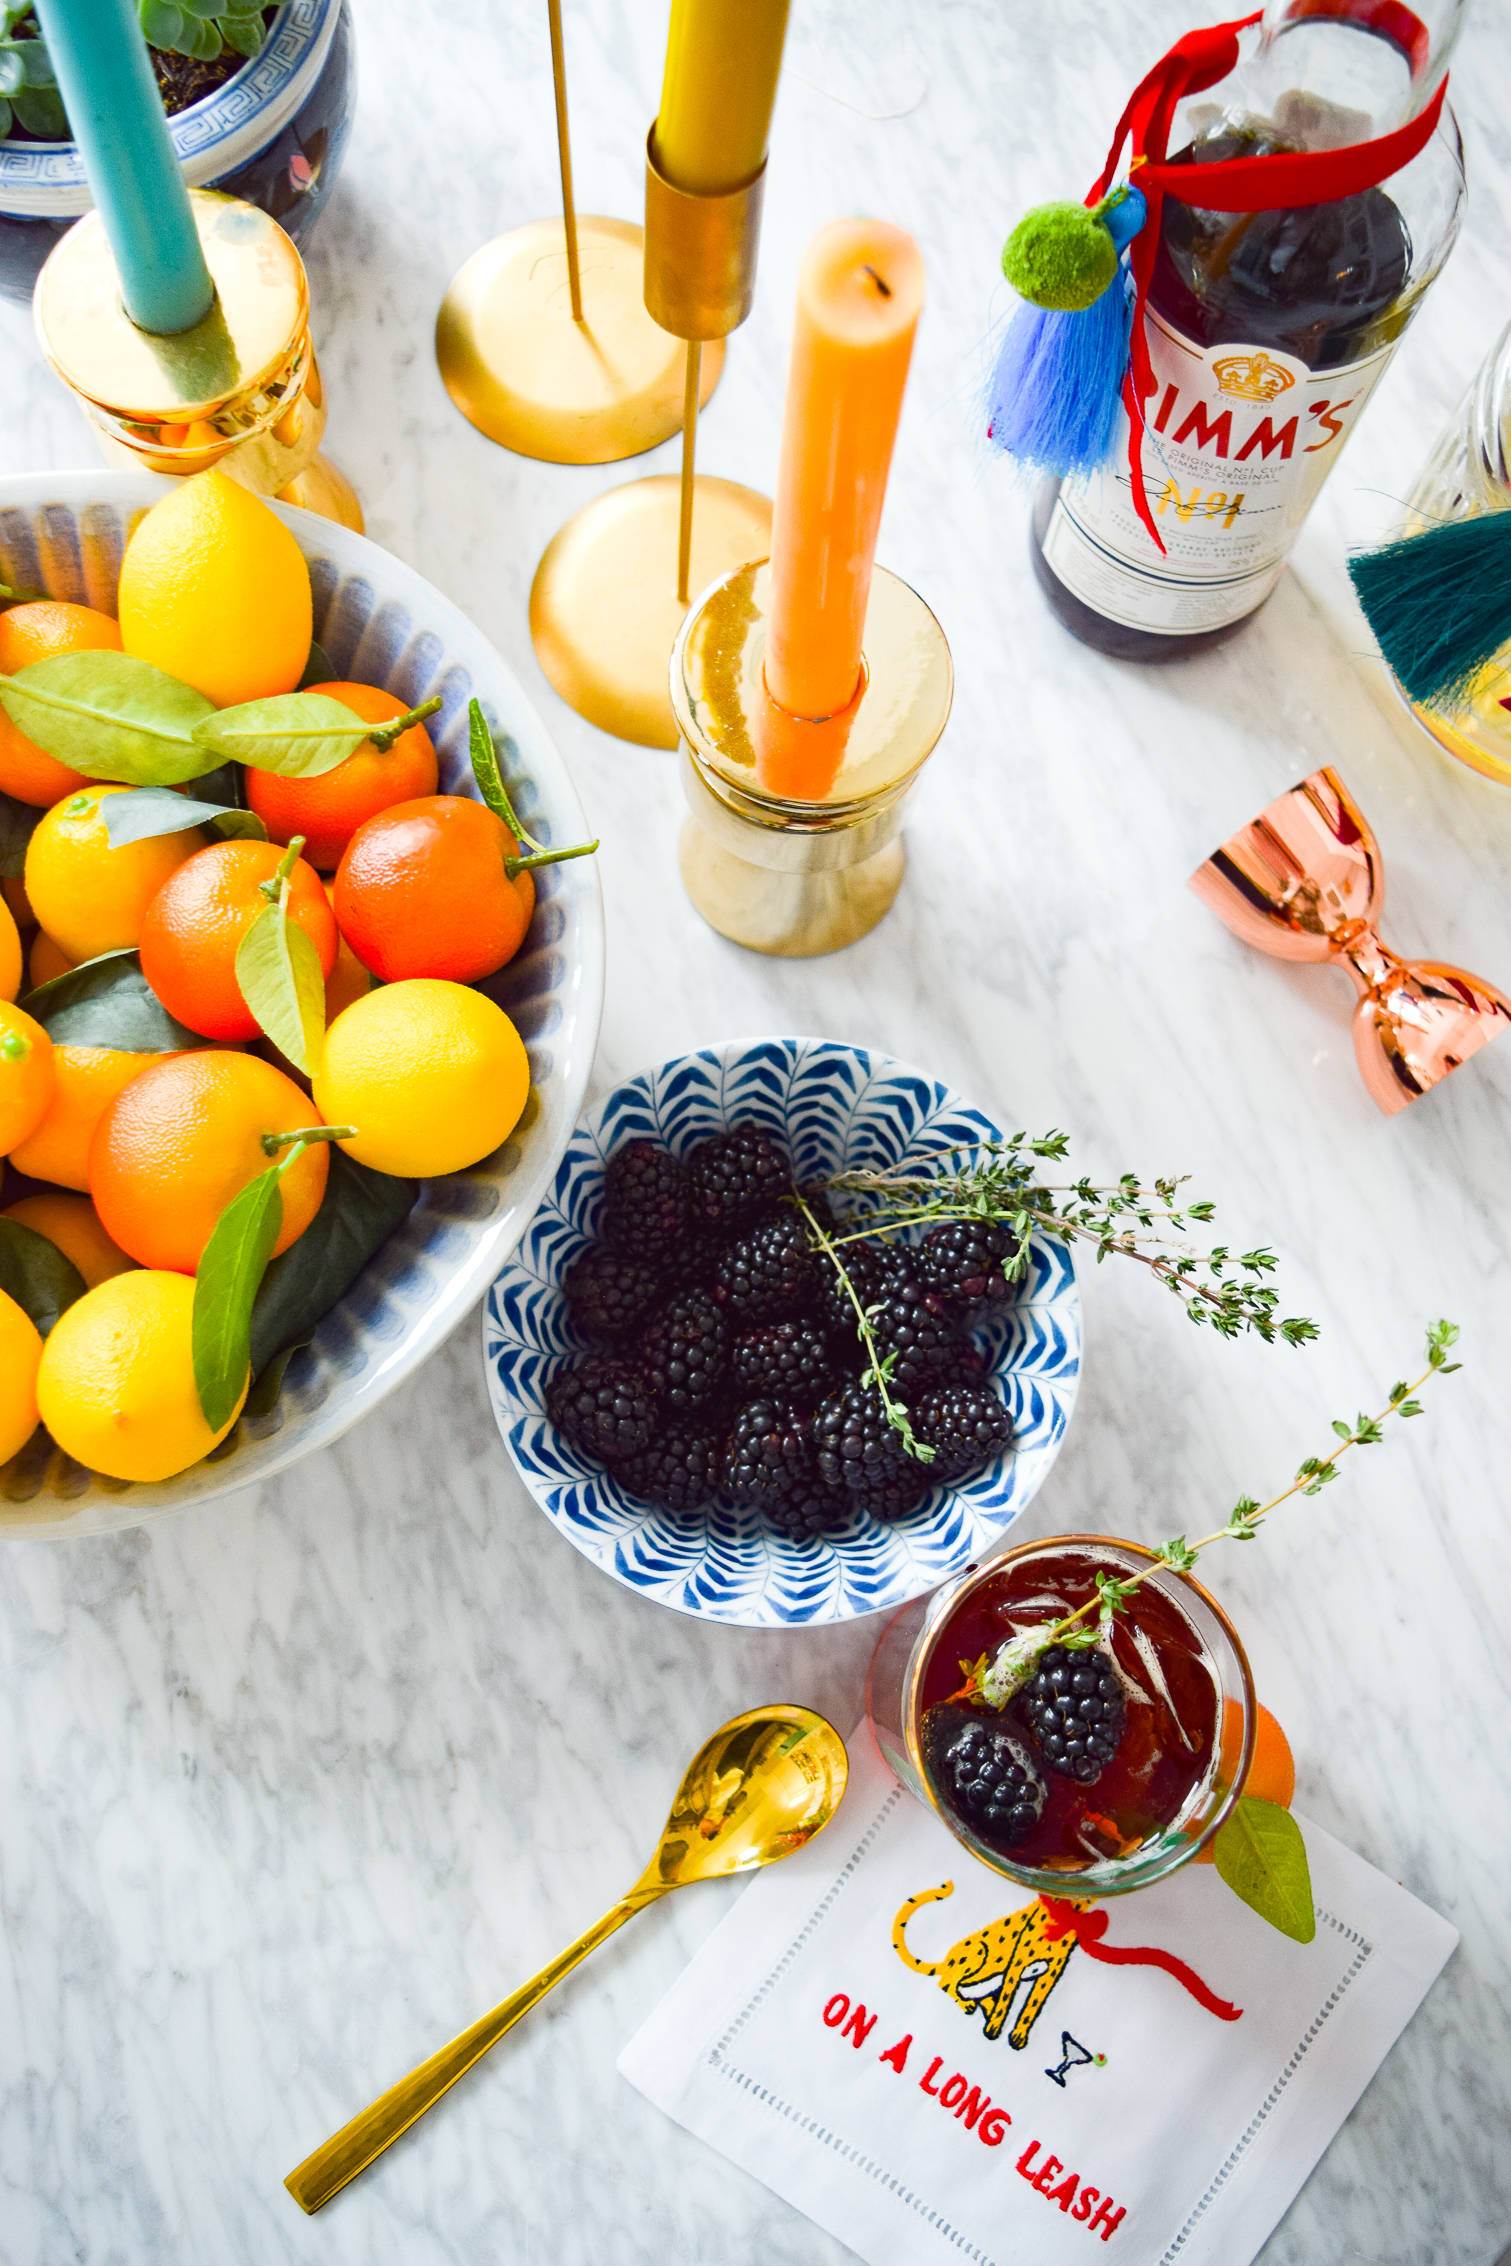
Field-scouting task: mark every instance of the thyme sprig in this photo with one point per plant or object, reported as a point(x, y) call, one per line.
point(879, 1366)
point(994, 1681)
point(1134, 1219)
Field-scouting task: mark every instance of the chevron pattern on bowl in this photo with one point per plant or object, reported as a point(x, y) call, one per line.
point(379, 623)
point(834, 1107)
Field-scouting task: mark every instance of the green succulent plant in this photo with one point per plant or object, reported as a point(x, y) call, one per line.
point(201, 28)
point(29, 97)
point(28, 89)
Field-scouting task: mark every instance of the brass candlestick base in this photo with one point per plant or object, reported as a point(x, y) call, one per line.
point(240, 391)
point(792, 843)
point(525, 373)
point(604, 610)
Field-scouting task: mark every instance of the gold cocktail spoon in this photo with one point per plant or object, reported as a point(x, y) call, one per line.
point(754, 1792)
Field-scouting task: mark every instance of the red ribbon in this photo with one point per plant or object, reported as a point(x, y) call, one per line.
point(1241, 184)
point(1088, 1928)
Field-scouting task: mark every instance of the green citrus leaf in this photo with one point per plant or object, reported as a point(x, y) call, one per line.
point(317, 668)
point(109, 716)
point(1262, 1857)
point(359, 1212)
point(158, 810)
point(18, 822)
point(225, 1285)
point(36, 1274)
point(108, 1002)
point(278, 971)
point(299, 735)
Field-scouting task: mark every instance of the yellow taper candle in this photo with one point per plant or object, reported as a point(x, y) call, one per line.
point(722, 60)
point(859, 296)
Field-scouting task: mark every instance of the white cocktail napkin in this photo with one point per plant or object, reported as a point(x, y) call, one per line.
point(1030, 2099)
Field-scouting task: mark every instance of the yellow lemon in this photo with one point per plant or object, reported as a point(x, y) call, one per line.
point(116, 1381)
point(46, 960)
point(214, 589)
point(10, 953)
point(86, 1079)
point(87, 896)
point(73, 1224)
point(27, 1077)
point(431, 1074)
point(20, 1352)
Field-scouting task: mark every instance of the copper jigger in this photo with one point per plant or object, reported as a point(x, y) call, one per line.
point(1304, 881)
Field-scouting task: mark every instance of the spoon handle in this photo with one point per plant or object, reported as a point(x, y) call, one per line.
point(353, 2148)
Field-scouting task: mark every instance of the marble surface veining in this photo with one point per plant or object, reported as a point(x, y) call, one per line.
point(293, 1787)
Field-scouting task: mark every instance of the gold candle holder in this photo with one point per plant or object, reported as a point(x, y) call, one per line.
point(792, 843)
point(614, 583)
point(241, 390)
point(543, 338)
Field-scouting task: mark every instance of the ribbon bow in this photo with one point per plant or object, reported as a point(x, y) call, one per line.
point(1241, 184)
point(1089, 1927)
point(1304, 881)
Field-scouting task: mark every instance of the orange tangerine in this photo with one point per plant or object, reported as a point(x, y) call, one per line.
point(180, 1141)
point(327, 811)
point(10, 953)
point(1272, 1773)
point(422, 890)
point(86, 1079)
point(37, 632)
point(193, 926)
point(26, 1076)
point(46, 960)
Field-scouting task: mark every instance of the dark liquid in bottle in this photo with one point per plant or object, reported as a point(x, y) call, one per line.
point(1325, 283)
point(1167, 1746)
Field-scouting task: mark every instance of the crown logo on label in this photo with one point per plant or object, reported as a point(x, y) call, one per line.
point(1253, 377)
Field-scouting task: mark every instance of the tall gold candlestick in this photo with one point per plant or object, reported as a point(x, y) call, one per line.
point(543, 338)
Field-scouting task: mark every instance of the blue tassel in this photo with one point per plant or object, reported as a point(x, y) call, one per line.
point(1053, 398)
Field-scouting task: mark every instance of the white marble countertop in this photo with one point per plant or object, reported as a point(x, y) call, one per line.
point(293, 1787)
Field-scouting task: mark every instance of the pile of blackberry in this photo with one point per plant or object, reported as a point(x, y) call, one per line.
point(726, 1356)
point(989, 1771)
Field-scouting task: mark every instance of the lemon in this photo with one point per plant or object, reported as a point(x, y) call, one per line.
point(94, 897)
point(20, 1352)
point(73, 1224)
point(27, 1077)
point(86, 1079)
point(10, 953)
point(116, 1381)
point(432, 1075)
point(214, 589)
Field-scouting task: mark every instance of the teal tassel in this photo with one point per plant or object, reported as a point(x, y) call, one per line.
point(1440, 604)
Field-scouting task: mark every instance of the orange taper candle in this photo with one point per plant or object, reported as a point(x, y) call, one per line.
point(859, 296)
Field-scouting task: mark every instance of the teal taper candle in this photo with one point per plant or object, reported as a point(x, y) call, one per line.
point(116, 112)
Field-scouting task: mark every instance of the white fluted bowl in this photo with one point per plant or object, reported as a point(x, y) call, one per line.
point(380, 623)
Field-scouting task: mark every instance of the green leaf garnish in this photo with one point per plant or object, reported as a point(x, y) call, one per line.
point(110, 716)
point(490, 785)
point(279, 975)
point(18, 822)
point(300, 735)
point(147, 811)
point(41, 1279)
point(1262, 1857)
point(225, 1285)
point(109, 1002)
point(358, 1213)
point(317, 668)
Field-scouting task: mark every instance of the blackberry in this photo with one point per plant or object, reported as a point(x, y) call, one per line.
point(769, 1273)
point(769, 1453)
point(604, 1406)
point(962, 1261)
point(874, 1268)
point(735, 1175)
point(809, 1513)
point(982, 1774)
point(607, 1291)
point(1074, 1706)
point(916, 1325)
point(788, 1359)
point(680, 1469)
point(858, 1450)
point(685, 1353)
point(966, 1424)
point(647, 1202)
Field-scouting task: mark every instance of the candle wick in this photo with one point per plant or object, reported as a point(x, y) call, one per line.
point(884, 288)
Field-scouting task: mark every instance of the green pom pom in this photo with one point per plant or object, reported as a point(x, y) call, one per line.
point(1061, 257)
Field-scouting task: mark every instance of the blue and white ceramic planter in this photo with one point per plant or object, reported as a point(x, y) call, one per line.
point(834, 1107)
point(275, 134)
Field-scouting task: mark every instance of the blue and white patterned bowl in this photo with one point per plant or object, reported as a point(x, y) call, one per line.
point(836, 1108)
point(380, 623)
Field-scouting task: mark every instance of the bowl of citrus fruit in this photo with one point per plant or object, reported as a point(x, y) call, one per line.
point(301, 967)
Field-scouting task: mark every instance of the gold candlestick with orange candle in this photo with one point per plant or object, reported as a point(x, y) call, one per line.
point(613, 585)
point(543, 338)
point(811, 691)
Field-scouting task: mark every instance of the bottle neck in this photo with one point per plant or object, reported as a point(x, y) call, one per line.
point(1322, 74)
